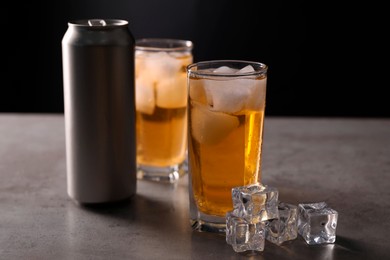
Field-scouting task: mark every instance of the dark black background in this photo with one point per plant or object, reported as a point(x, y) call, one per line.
point(324, 59)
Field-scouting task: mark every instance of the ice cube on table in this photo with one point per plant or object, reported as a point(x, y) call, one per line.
point(255, 201)
point(317, 223)
point(171, 92)
point(210, 127)
point(244, 235)
point(284, 228)
point(144, 96)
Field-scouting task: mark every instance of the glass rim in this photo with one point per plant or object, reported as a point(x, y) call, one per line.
point(163, 44)
point(261, 68)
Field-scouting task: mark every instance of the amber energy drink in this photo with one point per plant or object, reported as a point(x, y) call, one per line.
point(226, 117)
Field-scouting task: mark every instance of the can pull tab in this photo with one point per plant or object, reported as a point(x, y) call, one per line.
point(97, 22)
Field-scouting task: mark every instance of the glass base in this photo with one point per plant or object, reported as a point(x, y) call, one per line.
point(201, 226)
point(206, 223)
point(203, 222)
point(169, 174)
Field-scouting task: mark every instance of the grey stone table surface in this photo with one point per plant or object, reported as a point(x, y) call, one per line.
point(344, 162)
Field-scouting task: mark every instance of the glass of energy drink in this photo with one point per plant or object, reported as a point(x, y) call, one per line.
point(161, 107)
point(226, 116)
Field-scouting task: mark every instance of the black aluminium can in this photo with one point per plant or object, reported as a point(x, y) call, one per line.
point(99, 109)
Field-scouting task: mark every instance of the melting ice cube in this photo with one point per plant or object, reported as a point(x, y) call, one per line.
point(317, 223)
point(224, 70)
point(172, 92)
point(244, 235)
point(158, 65)
point(197, 91)
point(228, 95)
point(144, 96)
point(235, 95)
point(160, 69)
point(283, 228)
point(210, 127)
point(246, 69)
point(255, 201)
point(256, 102)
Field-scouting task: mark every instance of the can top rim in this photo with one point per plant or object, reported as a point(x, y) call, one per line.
point(98, 23)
